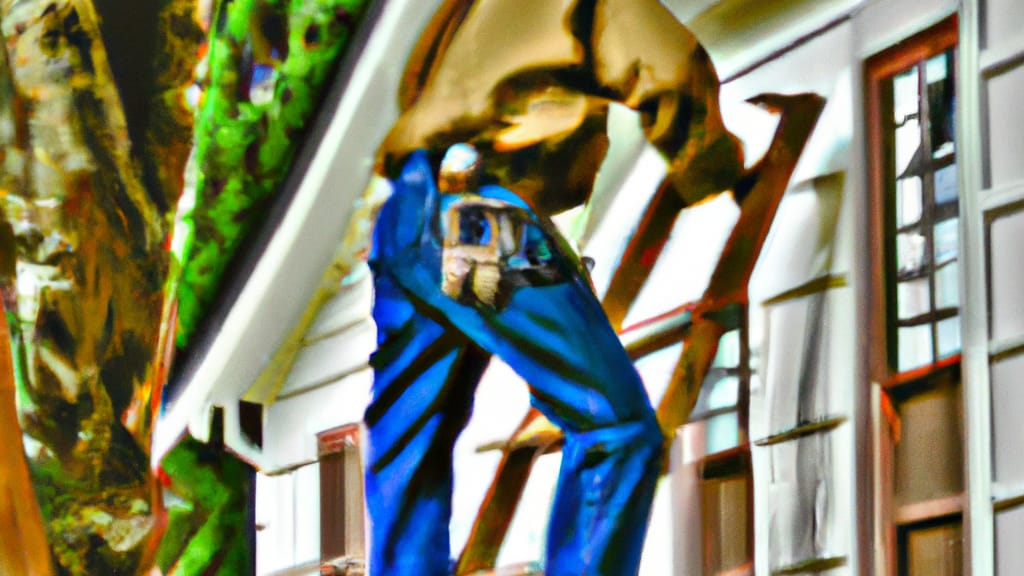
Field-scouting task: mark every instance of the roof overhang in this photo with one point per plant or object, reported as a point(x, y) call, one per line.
point(285, 265)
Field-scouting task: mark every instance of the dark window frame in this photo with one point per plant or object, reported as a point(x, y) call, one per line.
point(342, 548)
point(878, 70)
point(900, 386)
point(734, 462)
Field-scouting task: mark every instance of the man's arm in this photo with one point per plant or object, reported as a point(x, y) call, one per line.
point(643, 57)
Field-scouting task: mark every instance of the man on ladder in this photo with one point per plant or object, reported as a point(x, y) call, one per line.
point(527, 85)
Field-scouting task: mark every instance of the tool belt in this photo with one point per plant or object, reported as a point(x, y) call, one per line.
point(490, 248)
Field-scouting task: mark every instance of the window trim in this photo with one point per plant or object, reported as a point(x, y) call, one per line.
point(895, 521)
point(877, 69)
point(904, 530)
point(732, 464)
point(341, 552)
point(735, 462)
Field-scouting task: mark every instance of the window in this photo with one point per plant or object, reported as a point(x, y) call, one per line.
point(914, 146)
point(342, 539)
point(727, 514)
point(916, 251)
point(932, 548)
point(727, 507)
point(721, 403)
point(718, 424)
point(712, 486)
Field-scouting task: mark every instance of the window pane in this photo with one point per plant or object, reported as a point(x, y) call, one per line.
point(923, 179)
point(929, 455)
point(724, 393)
point(946, 189)
point(908, 201)
point(938, 72)
point(905, 103)
point(935, 68)
point(913, 298)
point(1009, 535)
point(908, 140)
point(910, 252)
point(721, 386)
point(934, 550)
point(949, 336)
point(722, 432)
point(1007, 425)
point(947, 286)
point(728, 350)
point(947, 240)
point(725, 512)
point(720, 390)
point(915, 347)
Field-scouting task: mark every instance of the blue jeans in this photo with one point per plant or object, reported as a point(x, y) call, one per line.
point(432, 351)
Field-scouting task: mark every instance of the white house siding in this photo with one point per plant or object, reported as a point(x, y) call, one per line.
point(326, 389)
point(992, 219)
point(832, 165)
point(288, 522)
point(802, 349)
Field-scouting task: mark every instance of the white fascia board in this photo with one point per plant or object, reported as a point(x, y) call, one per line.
point(735, 50)
point(291, 267)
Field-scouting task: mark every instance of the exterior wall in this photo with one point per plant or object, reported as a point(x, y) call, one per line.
point(801, 346)
point(288, 521)
point(992, 50)
point(328, 387)
point(814, 494)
